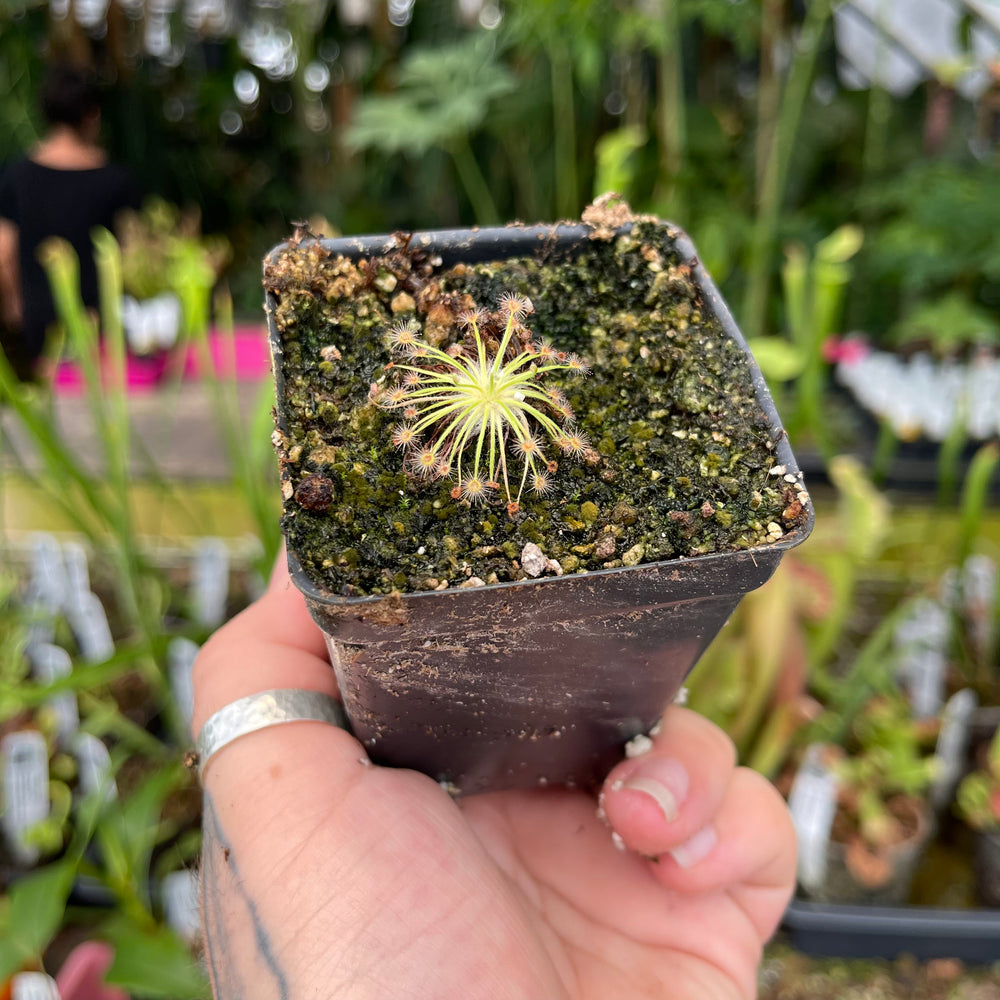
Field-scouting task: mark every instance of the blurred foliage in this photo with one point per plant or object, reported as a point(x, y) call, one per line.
point(946, 324)
point(454, 115)
point(158, 245)
point(933, 253)
point(440, 95)
point(978, 799)
point(889, 754)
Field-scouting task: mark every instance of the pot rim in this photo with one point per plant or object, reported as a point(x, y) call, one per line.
point(478, 244)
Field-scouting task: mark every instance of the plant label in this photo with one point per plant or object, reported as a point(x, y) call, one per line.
point(25, 789)
point(929, 625)
point(33, 986)
point(921, 642)
point(813, 804)
point(40, 627)
point(89, 622)
point(181, 654)
point(210, 582)
point(979, 597)
point(50, 663)
point(94, 762)
point(77, 574)
point(952, 745)
point(924, 678)
point(180, 904)
point(48, 574)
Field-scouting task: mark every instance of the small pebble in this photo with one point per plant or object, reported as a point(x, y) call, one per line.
point(638, 745)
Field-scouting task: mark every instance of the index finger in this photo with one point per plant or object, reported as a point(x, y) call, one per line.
point(274, 643)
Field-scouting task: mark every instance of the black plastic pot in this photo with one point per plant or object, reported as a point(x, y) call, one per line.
point(534, 682)
point(924, 932)
point(987, 867)
point(841, 885)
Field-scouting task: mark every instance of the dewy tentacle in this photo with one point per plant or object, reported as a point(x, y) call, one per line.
point(481, 402)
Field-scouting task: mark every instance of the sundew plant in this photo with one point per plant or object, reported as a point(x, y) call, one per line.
point(478, 412)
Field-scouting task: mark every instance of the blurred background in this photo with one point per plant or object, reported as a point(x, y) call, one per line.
point(837, 165)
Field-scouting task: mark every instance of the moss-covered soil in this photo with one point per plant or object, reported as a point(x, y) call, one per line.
point(681, 459)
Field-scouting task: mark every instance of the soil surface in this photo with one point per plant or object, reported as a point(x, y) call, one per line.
point(788, 975)
point(680, 460)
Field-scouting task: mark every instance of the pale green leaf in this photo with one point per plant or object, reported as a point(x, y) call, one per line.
point(37, 905)
point(154, 963)
point(778, 360)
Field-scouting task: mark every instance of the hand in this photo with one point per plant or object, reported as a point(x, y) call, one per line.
point(325, 876)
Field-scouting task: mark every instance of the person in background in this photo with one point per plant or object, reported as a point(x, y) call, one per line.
point(64, 187)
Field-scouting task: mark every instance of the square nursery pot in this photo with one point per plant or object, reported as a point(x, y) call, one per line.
point(538, 642)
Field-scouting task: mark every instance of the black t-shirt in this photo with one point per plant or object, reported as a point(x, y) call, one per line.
point(47, 201)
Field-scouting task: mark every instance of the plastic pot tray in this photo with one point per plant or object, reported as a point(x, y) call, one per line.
point(533, 682)
point(841, 931)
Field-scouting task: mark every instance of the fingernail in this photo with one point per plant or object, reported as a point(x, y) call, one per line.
point(696, 848)
point(664, 781)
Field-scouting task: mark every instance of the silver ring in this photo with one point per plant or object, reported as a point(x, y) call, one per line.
point(258, 711)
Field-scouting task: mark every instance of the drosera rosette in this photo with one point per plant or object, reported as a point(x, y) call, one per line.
point(475, 410)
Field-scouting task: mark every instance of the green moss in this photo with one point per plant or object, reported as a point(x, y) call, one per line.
point(669, 408)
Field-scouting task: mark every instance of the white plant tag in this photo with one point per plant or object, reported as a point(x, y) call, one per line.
point(181, 654)
point(210, 582)
point(813, 805)
point(94, 762)
point(923, 675)
point(921, 642)
point(180, 904)
point(77, 574)
point(949, 589)
point(40, 629)
point(979, 595)
point(33, 986)
point(952, 745)
point(25, 789)
point(928, 624)
point(89, 622)
point(979, 582)
point(48, 574)
point(50, 663)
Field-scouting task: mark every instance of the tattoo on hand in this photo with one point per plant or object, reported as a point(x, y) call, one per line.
point(238, 948)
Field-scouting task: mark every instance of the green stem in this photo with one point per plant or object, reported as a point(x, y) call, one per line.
point(886, 446)
point(771, 747)
point(950, 458)
point(476, 188)
point(876, 122)
point(975, 494)
point(105, 718)
point(60, 463)
point(672, 118)
point(564, 129)
point(768, 89)
point(765, 229)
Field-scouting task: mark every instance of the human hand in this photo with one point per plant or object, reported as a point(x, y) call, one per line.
point(325, 876)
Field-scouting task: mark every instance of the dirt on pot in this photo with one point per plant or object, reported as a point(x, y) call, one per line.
point(676, 457)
